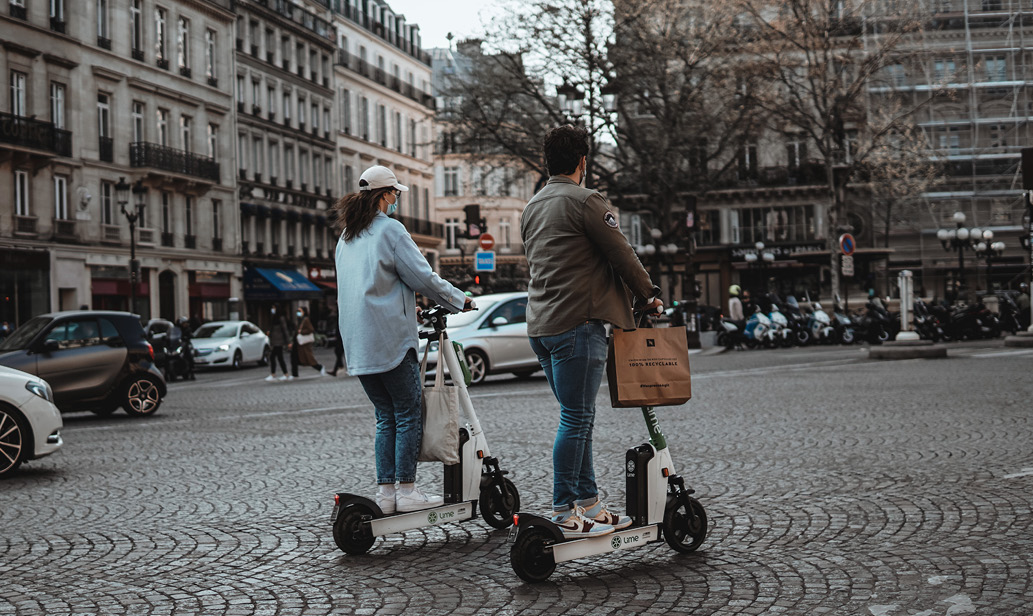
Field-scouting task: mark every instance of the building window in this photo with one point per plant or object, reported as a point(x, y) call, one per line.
point(943, 69)
point(326, 119)
point(349, 179)
point(996, 68)
point(185, 126)
point(412, 138)
point(21, 193)
point(60, 197)
point(364, 118)
point(136, 25)
point(415, 201)
point(998, 135)
point(270, 101)
point(451, 181)
point(274, 160)
point(138, 115)
point(317, 172)
point(188, 216)
point(747, 159)
point(242, 152)
point(796, 152)
point(285, 51)
point(216, 218)
point(288, 162)
point(103, 115)
point(950, 140)
point(301, 111)
point(240, 90)
point(209, 54)
point(398, 131)
point(382, 125)
point(57, 9)
point(166, 213)
point(57, 104)
point(163, 126)
point(426, 204)
point(504, 232)
point(256, 156)
point(451, 232)
point(160, 33)
point(102, 19)
point(106, 206)
point(256, 93)
point(213, 139)
point(18, 89)
point(315, 116)
point(286, 106)
point(303, 167)
point(183, 43)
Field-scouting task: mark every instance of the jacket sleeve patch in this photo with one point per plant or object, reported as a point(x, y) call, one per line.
point(610, 220)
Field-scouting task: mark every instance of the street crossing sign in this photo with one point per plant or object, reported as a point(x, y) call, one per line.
point(484, 261)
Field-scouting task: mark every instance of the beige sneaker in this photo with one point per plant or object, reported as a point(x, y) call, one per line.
point(600, 515)
point(577, 526)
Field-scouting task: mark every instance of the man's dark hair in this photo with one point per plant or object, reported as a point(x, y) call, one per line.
point(564, 146)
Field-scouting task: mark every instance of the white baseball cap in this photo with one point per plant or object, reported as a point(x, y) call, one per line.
point(379, 176)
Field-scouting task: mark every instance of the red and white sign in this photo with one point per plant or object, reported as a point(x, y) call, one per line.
point(487, 242)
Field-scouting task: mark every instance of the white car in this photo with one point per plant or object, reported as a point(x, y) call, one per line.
point(494, 337)
point(30, 424)
point(230, 343)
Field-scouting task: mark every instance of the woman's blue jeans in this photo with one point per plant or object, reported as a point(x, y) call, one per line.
point(397, 399)
point(574, 363)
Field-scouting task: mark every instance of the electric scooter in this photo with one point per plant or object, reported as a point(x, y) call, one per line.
point(658, 502)
point(476, 481)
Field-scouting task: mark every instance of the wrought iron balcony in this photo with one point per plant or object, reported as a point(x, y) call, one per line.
point(57, 25)
point(217, 244)
point(138, 55)
point(190, 241)
point(29, 133)
point(145, 236)
point(424, 227)
point(18, 11)
point(143, 154)
point(65, 230)
point(167, 239)
point(104, 43)
point(25, 225)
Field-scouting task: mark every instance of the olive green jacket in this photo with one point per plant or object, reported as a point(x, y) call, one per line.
point(582, 266)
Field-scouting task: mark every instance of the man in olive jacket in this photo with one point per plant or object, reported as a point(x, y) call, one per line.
point(582, 268)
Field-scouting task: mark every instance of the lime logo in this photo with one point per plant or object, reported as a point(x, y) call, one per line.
point(631, 466)
point(615, 543)
point(432, 517)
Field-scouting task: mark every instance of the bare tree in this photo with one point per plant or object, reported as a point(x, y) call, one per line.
point(819, 58)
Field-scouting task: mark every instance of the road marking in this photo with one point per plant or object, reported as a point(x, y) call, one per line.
point(1004, 353)
point(1023, 473)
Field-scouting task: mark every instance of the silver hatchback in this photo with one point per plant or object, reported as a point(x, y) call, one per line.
point(494, 337)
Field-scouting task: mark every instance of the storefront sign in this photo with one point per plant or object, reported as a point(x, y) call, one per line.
point(319, 273)
point(738, 253)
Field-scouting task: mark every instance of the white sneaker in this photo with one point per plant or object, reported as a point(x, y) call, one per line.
point(282, 378)
point(290, 377)
point(416, 500)
point(322, 372)
point(386, 502)
point(270, 378)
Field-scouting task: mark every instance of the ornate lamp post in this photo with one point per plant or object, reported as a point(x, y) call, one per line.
point(958, 240)
point(122, 196)
point(761, 260)
point(989, 250)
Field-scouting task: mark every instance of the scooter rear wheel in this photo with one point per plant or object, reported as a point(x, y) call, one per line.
point(685, 526)
point(530, 560)
point(351, 534)
point(498, 506)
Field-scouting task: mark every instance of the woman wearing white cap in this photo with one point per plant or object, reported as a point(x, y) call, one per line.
point(378, 269)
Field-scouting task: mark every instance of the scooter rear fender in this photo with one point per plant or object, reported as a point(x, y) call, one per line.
point(527, 520)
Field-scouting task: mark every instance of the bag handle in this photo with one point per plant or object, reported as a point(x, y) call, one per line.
point(439, 374)
point(423, 362)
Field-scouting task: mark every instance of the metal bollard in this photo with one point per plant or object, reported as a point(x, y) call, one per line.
point(906, 283)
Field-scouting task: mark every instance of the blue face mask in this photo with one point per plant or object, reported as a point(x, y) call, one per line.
point(393, 207)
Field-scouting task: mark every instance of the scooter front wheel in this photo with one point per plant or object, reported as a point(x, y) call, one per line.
point(530, 560)
point(685, 525)
point(351, 532)
point(498, 503)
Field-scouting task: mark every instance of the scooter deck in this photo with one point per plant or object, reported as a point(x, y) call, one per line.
point(625, 539)
point(436, 516)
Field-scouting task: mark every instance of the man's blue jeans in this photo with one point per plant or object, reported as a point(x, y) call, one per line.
point(574, 363)
point(397, 396)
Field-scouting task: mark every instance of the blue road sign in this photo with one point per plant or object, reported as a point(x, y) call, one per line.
point(484, 261)
point(847, 244)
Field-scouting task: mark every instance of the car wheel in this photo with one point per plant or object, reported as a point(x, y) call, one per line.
point(266, 352)
point(478, 364)
point(238, 359)
point(14, 438)
point(141, 396)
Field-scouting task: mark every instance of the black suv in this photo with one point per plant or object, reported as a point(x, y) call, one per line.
point(94, 361)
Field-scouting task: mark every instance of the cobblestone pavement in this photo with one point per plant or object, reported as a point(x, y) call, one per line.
point(834, 485)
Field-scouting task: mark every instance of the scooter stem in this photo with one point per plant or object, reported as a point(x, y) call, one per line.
point(656, 435)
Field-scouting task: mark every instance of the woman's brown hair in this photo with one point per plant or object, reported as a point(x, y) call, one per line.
point(356, 211)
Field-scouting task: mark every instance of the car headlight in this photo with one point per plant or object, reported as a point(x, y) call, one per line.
point(223, 347)
point(40, 389)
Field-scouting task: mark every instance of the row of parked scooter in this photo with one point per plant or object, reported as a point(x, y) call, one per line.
point(777, 323)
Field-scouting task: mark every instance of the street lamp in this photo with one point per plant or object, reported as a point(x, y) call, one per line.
point(958, 240)
point(122, 196)
point(988, 249)
point(760, 259)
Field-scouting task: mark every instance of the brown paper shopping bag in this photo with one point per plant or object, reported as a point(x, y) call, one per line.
point(648, 367)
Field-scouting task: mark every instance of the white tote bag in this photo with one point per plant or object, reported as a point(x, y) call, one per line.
point(440, 412)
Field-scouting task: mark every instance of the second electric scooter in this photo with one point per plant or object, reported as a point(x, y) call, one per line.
point(476, 481)
point(659, 504)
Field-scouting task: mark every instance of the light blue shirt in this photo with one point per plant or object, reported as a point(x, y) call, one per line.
point(377, 272)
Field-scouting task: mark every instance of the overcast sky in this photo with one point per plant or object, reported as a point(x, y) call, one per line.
point(437, 18)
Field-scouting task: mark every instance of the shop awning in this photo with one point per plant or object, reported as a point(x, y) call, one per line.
point(278, 285)
point(326, 284)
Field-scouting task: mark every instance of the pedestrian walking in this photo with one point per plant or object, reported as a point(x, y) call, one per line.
point(338, 346)
point(581, 268)
point(379, 269)
point(279, 337)
point(302, 344)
